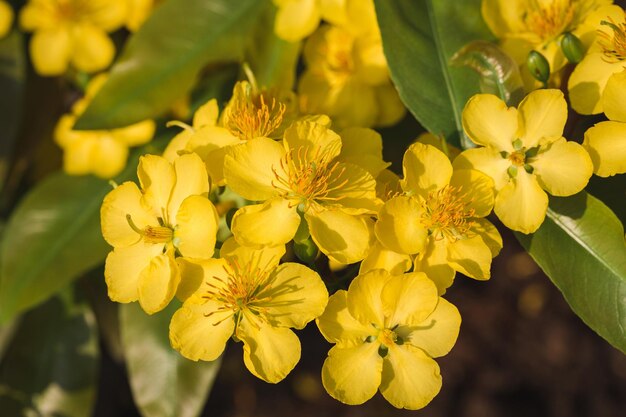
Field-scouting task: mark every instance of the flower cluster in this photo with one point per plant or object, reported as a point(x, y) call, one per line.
point(250, 202)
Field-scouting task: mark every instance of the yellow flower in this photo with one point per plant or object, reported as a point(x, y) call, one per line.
point(170, 214)
point(247, 295)
point(100, 152)
point(138, 12)
point(249, 114)
point(440, 217)
point(304, 177)
point(6, 18)
point(72, 32)
point(387, 330)
point(606, 57)
point(525, 25)
point(606, 141)
point(346, 65)
point(525, 153)
point(297, 19)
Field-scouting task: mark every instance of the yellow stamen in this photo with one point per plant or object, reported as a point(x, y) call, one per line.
point(447, 214)
point(255, 115)
point(517, 158)
point(152, 234)
point(550, 21)
point(387, 337)
point(613, 44)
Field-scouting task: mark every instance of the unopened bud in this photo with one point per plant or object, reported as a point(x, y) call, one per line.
point(306, 250)
point(539, 66)
point(572, 48)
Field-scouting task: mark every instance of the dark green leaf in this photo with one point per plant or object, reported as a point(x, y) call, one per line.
point(581, 248)
point(419, 38)
point(12, 74)
point(50, 368)
point(53, 236)
point(164, 384)
point(161, 61)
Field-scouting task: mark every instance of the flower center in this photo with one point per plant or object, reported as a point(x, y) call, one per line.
point(153, 234)
point(613, 44)
point(549, 21)
point(447, 213)
point(72, 10)
point(518, 158)
point(254, 115)
point(387, 337)
point(241, 292)
point(308, 178)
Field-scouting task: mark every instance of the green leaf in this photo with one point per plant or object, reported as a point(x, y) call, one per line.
point(53, 236)
point(51, 365)
point(161, 61)
point(419, 38)
point(12, 77)
point(164, 384)
point(581, 248)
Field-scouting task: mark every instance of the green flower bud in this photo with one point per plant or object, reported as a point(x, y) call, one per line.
point(572, 48)
point(306, 250)
point(539, 66)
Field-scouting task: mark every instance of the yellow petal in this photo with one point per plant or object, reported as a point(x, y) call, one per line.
point(206, 115)
point(410, 378)
point(390, 108)
point(269, 224)
point(477, 190)
point(502, 16)
point(191, 179)
point(365, 297)
point(606, 145)
point(77, 156)
point(471, 257)
point(107, 14)
point(399, 227)
point(268, 256)
point(563, 168)
point(297, 19)
point(194, 273)
point(108, 157)
point(123, 268)
point(340, 236)
point(438, 333)
point(587, 82)
point(199, 331)
point(433, 261)
point(158, 283)
point(313, 141)
point(352, 375)
point(136, 134)
point(6, 18)
point(50, 51)
point(269, 353)
point(542, 115)
point(352, 187)
point(486, 160)
point(124, 200)
point(157, 178)
point(196, 228)
point(363, 147)
point(489, 234)
point(489, 122)
point(296, 296)
point(426, 169)
point(380, 257)
point(248, 168)
point(614, 97)
point(341, 106)
point(337, 324)
point(408, 299)
point(521, 205)
point(93, 50)
point(177, 145)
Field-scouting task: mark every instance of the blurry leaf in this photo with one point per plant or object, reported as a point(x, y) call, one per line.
point(12, 75)
point(272, 60)
point(53, 236)
point(164, 384)
point(581, 248)
point(50, 368)
point(499, 73)
point(217, 83)
point(419, 38)
point(161, 61)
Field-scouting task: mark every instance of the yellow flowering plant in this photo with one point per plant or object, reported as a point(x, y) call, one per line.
point(248, 171)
